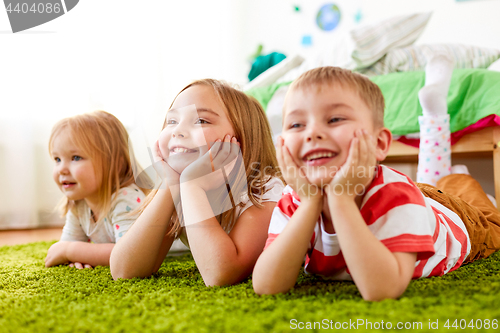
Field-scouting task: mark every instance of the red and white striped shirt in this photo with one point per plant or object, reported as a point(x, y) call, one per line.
point(399, 215)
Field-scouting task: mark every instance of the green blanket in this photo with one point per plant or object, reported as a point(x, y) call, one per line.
point(63, 299)
point(474, 94)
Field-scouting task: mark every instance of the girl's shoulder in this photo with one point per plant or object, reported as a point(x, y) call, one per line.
point(271, 190)
point(275, 181)
point(127, 191)
point(129, 196)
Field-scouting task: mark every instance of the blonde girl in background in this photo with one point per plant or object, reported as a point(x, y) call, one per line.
point(92, 167)
point(225, 246)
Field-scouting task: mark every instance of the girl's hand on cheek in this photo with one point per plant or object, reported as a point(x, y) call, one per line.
point(162, 168)
point(206, 172)
point(294, 176)
point(359, 169)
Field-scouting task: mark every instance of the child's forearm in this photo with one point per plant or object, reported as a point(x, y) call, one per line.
point(89, 253)
point(215, 254)
point(223, 259)
point(142, 249)
point(278, 267)
point(377, 272)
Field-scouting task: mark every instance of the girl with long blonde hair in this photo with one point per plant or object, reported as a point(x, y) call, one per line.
point(222, 215)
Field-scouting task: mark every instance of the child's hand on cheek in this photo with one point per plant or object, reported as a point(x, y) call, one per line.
point(294, 176)
point(358, 171)
point(206, 171)
point(163, 169)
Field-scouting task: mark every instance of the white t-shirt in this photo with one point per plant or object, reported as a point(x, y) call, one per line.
point(80, 226)
point(274, 188)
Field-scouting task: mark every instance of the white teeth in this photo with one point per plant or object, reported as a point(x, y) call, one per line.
point(319, 155)
point(178, 150)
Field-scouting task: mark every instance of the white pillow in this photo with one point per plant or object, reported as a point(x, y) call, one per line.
point(272, 74)
point(364, 46)
point(373, 41)
point(415, 57)
point(495, 66)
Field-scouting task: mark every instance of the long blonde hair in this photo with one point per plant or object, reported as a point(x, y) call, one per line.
point(252, 130)
point(103, 138)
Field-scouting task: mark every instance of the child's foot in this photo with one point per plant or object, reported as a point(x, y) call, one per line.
point(492, 199)
point(460, 169)
point(437, 82)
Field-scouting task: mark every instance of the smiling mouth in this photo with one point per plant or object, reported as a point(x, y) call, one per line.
point(179, 150)
point(318, 156)
point(67, 184)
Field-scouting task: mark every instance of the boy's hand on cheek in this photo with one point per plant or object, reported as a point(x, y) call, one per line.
point(358, 171)
point(294, 176)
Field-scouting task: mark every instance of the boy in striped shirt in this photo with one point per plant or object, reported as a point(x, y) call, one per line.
point(352, 218)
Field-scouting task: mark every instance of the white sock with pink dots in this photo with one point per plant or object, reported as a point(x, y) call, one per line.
point(434, 158)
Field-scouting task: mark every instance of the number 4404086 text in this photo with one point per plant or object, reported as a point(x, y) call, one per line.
point(472, 324)
point(41, 7)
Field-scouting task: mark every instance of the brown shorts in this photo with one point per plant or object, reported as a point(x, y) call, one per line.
point(463, 195)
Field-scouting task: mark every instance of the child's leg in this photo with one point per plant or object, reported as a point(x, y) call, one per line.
point(434, 159)
point(462, 194)
point(485, 233)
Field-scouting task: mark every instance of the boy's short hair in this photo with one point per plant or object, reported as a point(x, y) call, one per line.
point(368, 91)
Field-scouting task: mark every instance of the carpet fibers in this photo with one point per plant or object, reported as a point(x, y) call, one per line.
point(63, 299)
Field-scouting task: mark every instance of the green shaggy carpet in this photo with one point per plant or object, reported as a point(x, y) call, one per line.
point(62, 299)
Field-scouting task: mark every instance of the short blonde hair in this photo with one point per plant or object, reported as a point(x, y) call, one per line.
point(368, 91)
point(103, 138)
point(253, 132)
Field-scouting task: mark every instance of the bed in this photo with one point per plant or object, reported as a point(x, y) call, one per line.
point(482, 143)
point(386, 53)
point(474, 107)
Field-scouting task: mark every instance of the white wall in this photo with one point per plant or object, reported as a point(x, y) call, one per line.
point(131, 57)
point(466, 22)
point(278, 27)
